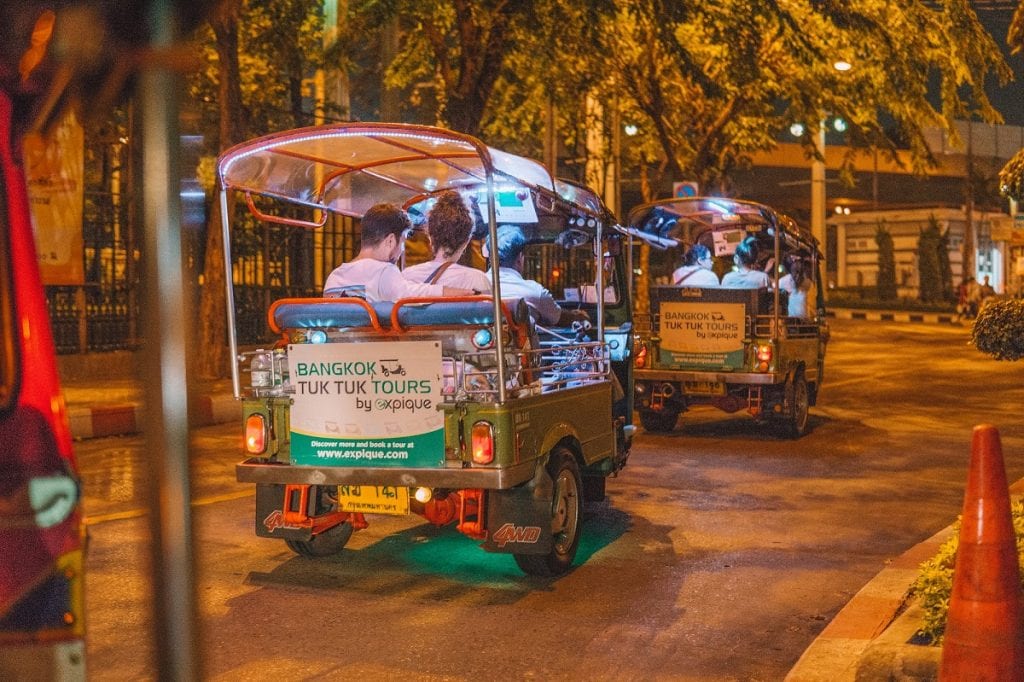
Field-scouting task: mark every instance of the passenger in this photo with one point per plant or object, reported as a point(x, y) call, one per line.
point(450, 229)
point(696, 269)
point(372, 274)
point(543, 307)
point(797, 283)
point(745, 276)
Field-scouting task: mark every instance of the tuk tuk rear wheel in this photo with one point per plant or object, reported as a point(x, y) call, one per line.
point(329, 542)
point(658, 422)
point(566, 515)
point(798, 403)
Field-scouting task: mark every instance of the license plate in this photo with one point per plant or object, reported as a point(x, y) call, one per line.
point(704, 387)
point(374, 499)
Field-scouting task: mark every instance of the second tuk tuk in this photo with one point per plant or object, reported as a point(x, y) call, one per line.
point(735, 349)
point(464, 411)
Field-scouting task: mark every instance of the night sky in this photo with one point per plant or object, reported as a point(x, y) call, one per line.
point(1009, 100)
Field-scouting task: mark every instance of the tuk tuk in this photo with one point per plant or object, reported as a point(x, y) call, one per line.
point(732, 348)
point(461, 410)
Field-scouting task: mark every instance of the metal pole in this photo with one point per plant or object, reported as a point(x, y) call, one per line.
point(818, 187)
point(173, 609)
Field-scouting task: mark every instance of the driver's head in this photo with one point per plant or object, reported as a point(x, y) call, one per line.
point(511, 242)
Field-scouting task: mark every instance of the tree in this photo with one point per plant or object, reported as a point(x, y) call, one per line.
point(460, 45)
point(928, 268)
point(886, 282)
point(717, 81)
point(258, 55)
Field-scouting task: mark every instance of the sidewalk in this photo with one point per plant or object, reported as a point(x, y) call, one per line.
point(116, 407)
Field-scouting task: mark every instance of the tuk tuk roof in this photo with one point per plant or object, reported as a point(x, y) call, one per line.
point(685, 220)
point(346, 168)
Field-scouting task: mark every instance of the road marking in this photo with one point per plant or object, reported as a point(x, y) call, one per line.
point(136, 513)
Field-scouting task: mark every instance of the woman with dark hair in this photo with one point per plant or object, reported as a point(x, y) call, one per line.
point(797, 283)
point(696, 269)
point(450, 229)
point(746, 276)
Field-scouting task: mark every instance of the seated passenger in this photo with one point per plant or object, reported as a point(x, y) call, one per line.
point(696, 269)
point(543, 307)
point(450, 228)
point(745, 276)
point(797, 284)
point(373, 273)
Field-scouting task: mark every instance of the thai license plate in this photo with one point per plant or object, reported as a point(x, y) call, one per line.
point(374, 499)
point(704, 387)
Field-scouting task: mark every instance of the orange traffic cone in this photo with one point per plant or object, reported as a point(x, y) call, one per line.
point(984, 637)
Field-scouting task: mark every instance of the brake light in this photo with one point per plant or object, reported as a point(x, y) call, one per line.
point(255, 434)
point(764, 356)
point(641, 356)
point(482, 443)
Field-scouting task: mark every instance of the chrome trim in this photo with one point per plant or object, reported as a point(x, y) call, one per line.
point(253, 470)
point(722, 377)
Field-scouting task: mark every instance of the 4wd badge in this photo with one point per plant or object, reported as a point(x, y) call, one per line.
point(516, 534)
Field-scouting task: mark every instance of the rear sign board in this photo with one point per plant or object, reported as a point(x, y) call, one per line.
point(367, 404)
point(702, 334)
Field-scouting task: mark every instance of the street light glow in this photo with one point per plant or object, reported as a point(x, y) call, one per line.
point(842, 65)
point(797, 129)
point(839, 124)
point(630, 129)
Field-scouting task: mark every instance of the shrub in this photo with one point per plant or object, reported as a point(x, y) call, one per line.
point(934, 584)
point(999, 329)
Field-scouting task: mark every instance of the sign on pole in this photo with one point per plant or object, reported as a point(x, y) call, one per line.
point(682, 190)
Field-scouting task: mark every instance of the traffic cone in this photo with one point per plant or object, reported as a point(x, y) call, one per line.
point(984, 637)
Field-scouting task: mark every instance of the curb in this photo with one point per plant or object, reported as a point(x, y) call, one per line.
point(101, 421)
point(837, 652)
point(891, 316)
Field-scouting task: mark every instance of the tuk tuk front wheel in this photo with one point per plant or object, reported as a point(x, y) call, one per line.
point(566, 513)
point(658, 422)
point(329, 542)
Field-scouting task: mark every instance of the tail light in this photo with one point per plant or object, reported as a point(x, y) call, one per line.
point(640, 361)
point(482, 443)
point(255, 434)
point(763, 355)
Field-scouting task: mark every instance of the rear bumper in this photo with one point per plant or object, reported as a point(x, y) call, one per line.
point(253, 470)
point(743, 378)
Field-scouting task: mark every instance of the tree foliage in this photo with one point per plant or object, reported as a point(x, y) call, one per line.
point(886, 282)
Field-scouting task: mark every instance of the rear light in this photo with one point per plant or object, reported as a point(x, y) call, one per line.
point(482, 443)
point(255, 434)
point(763, 354)
point(641, 356)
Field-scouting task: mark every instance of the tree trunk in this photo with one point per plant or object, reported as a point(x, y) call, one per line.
point(212, 362)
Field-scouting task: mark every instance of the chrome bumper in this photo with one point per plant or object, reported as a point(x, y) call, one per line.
point(254, 470)
point(744, 378)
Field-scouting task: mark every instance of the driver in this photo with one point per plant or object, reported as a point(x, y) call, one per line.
point(543, 306)
point(372, 274)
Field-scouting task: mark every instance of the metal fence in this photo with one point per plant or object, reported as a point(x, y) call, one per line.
point(269, 262)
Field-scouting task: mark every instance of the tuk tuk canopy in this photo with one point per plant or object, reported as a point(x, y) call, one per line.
point(718, 223)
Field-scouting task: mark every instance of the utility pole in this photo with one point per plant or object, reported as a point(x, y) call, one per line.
point(968, 267)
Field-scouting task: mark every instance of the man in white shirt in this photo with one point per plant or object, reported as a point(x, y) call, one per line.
point(543, 306)
point(372, 274)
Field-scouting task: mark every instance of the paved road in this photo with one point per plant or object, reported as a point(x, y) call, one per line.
point(720, 554)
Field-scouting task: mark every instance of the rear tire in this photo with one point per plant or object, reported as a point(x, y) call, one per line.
point(329, 542)
point(658, 422)
point(797, 406)
point(566, 515)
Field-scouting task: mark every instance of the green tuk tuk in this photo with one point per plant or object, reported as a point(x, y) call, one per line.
point(461, 410)
point(732, 348)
